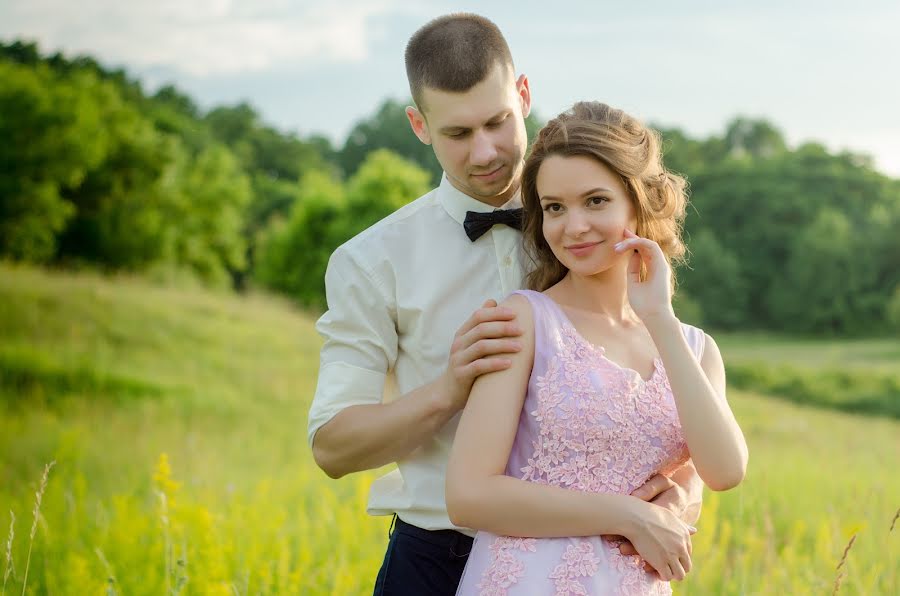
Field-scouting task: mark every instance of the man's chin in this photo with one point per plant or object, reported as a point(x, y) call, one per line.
point(491, 189)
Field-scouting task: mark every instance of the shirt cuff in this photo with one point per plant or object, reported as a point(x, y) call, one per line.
point(342, 385)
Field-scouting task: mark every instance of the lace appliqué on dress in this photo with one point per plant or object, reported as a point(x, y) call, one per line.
point(602, 429)
point(505, 569)
point(579, 560)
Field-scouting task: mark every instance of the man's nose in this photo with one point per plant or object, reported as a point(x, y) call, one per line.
point(483, 151)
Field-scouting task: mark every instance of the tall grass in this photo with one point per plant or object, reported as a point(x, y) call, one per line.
point(201, 482)
point(9, 568)
point(36, 512)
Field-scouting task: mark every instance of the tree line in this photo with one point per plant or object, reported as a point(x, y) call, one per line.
point(95, 171)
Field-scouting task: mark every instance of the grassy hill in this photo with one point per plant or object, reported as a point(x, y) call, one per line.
point(177, 421)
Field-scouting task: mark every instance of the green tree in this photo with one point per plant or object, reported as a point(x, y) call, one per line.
point(209, 236)
point(688, 156)
point(387, 128)
point(826, 282)
point(275, 162)
point(260, 147)
point(892, 309)
point(293, 253)
point(745, 137)
point(713, 279)
point(125, 205)
point(533, 125)
point(177, 114)
point(759, 208)
point(234, 127)
point(382, 184)
point(52, 137)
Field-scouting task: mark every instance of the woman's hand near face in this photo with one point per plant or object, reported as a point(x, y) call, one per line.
point(650, 298)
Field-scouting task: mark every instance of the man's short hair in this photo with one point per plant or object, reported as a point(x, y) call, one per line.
point(454, 53)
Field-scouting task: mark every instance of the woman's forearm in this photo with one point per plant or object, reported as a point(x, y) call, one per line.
point(512, 507)
point(715, 440)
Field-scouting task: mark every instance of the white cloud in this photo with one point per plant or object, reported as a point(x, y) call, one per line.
point(199, 37)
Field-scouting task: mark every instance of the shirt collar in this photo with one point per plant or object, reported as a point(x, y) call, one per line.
point(456, 202)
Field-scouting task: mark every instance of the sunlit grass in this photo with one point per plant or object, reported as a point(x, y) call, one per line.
point(878, 354)
point(177, 420)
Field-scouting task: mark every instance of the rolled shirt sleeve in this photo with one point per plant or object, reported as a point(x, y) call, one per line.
point(360, 333)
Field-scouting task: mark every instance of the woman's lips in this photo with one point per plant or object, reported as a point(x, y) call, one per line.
point(583, 249)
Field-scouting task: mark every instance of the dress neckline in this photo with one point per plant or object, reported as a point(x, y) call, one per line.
point(600, 350)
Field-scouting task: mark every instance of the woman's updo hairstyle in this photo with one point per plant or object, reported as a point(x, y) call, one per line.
point(629, 148)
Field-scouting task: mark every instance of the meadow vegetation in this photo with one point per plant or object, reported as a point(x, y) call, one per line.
point(176, 418)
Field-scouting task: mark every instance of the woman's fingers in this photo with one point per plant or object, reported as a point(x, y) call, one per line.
point(644, 251)
point(634, 266)
point(648, 248)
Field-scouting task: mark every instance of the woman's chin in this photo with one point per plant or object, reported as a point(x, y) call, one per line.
point(590, 269)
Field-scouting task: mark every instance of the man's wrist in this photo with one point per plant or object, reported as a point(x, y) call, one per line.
point(691, 492)
point(445, 396)
point(675, 504)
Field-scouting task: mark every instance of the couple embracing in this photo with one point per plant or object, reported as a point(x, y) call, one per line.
point(554, 443)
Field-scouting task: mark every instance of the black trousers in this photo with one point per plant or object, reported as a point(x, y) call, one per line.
point(422, 562)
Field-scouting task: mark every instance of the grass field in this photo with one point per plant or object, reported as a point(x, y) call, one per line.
point(876, 355)
point(177, 417)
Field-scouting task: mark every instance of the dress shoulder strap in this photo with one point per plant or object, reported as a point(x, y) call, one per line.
point(548, 317)
point(696, 338)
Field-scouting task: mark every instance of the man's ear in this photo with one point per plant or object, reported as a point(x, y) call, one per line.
point(418, 124)
point(524, 92)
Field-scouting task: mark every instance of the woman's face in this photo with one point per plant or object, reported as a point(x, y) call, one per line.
point(586, 209)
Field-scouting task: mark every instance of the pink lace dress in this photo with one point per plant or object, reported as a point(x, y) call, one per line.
point(590, 425)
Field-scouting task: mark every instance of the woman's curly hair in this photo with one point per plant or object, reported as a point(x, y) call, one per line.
point(623, 143)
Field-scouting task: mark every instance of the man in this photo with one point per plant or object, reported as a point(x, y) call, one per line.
point(403, 291)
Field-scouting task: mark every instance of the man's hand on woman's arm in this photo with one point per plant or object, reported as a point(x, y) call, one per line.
point(368, 436)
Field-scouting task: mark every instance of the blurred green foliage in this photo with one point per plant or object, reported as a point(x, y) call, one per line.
point(861, 392)
point(97, 172)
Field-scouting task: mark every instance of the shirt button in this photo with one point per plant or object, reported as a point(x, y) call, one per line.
point(507, 261)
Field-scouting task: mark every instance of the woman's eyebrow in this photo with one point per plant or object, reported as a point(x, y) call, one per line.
point(584, 194)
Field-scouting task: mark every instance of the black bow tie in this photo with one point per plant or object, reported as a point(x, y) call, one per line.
point(476, 224)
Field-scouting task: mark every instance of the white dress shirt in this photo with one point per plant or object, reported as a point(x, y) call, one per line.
point(397, 293)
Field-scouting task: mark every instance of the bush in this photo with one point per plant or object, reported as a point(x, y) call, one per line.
point(864, 392)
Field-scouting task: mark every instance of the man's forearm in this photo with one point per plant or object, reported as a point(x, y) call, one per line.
point(365, 437)
point(689, 480)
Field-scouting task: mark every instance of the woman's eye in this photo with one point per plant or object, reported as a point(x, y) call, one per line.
point(552, 207)
point(597, 200)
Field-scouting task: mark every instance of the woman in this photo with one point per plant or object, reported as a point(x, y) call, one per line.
point(608, 389)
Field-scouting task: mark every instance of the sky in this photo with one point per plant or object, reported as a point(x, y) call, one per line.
point(823, 71)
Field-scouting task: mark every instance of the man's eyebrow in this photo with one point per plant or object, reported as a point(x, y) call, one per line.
point(457, 129)
point(450, 129)
point(584, 194)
